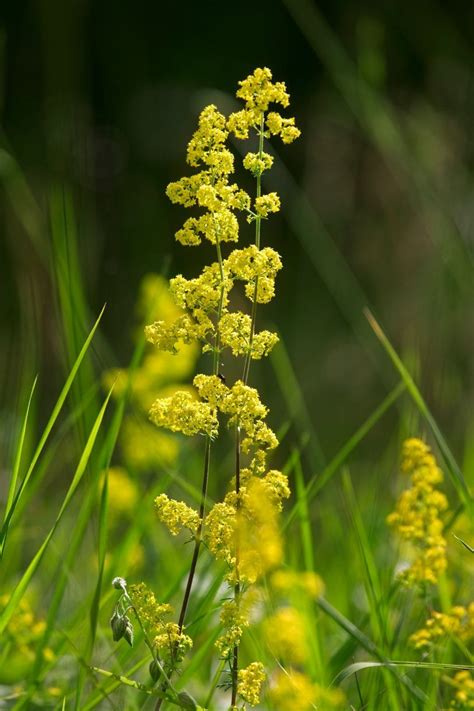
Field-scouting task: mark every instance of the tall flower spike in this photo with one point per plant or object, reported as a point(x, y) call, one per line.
point(243, 529)
point(417, 514)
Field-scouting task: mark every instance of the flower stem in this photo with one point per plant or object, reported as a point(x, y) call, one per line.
point(258, 226)
point(207, 462)
point(245, 377)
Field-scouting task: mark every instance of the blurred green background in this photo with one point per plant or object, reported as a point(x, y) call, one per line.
point(97, 103)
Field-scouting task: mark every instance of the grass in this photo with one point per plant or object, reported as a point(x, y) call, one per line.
point(64, 536)
point(79, 632)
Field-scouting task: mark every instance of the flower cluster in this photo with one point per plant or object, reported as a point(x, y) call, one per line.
point(176, 515)
point(247, 524)
point(250, 681)
point(285, 634)
point(210, 187)
point(259, 91)
point(458, 622)
point(243, 529)
point(168, 640)
point(417, 514)
point(143, 446)
point(464, 695)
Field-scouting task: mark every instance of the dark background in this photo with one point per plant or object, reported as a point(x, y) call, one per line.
point(98, 100)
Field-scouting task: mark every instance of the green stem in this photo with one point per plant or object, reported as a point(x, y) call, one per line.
point(205, 478)
point(245, 377)
point(235, 658)
point(258, 226)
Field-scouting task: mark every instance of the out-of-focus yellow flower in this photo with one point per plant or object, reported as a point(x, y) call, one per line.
point(293, 690)
point(246, 536)
point(458, 622)
point(159, 375)
point(288, 581)
point(21, 636)
point(464, 695)
point(145, 447)
point(417, 514)
point(123, 492)
point(286, 636)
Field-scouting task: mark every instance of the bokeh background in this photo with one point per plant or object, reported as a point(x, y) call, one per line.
point(98, 101)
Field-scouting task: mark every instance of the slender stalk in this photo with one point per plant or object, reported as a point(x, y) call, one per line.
point(245, 377)
point(205, 477)
point(258, 225)
point(235, 658)
point(198, 536)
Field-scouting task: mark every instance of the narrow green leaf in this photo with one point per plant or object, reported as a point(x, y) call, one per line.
point(19, 450)
point(390, 664)
point(46, 432)
point(25, 580)
point(367, 644)
point(453, 468)
point(318, 482)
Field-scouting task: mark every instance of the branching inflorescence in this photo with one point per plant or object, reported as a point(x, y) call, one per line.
point(242, 530)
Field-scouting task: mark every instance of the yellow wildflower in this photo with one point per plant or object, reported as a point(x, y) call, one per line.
point(203, 293)
point(252, 527)
point(294, 690)
point(122, 490)
point(234, 330)
point(258, 163)
point(283, 127)
point(458, 622)
point(464, 696)
point(286, 636)
point(287, 581)
point(219, 532)
point(167, 638)
point(250, 681)
point(251, 264)
point(416, 516)
point(170, 641)
point(265, 204)
point(176, 515)
point(182, 413)
point(258, 534)
point(234, 618)
point(258, 90)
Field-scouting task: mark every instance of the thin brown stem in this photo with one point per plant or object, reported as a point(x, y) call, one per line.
point(198, 536)
point(205, 478)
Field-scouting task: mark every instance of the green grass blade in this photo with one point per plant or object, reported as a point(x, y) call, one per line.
point(295, 403)
point(25, 580)
point(46, 432)
point(367, 644)
point(452, 466)
point(377, 607)
point(19, 450)
point(391, 664)
point(381, 125)
point(318, 482)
